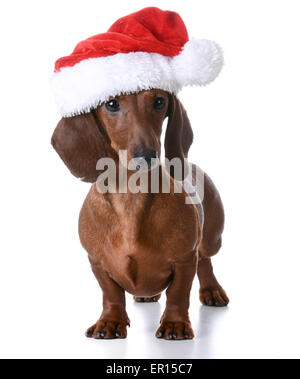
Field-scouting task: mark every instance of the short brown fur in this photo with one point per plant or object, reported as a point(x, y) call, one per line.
point(147, 242)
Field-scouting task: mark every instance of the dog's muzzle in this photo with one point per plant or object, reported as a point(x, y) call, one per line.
point(145, 159)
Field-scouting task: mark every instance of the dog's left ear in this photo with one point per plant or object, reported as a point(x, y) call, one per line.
point(179, 133)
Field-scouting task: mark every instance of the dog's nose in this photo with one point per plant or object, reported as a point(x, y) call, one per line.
point(147, 155)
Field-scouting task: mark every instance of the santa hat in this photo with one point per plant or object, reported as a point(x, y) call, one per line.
point(145, 50)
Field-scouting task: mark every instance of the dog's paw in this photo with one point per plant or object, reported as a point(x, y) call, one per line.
point(105, 329)
point(152, 299)
point(170, 330)
point(214, 297)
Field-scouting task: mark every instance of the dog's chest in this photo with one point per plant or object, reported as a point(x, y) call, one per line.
point(139, 246)
point(154, 236)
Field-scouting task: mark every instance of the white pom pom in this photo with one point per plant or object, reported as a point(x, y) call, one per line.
point(199, 63)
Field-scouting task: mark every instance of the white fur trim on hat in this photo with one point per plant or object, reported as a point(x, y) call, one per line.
point(199, 63)
point(82, 87)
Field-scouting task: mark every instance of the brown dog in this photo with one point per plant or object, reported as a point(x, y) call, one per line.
point(146, 242)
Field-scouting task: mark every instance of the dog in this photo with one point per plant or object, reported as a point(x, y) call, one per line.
point(142, 243)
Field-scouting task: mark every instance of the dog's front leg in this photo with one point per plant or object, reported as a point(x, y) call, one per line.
point(175, 322)
point(113, 321)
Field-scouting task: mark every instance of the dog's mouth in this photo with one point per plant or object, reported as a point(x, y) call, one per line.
point(140, 161)
point(145, 164)
point(145, 159)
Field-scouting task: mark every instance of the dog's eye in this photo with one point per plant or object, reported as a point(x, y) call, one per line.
point(112, 106)
point(159, 103)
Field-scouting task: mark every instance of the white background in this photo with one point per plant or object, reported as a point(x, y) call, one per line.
point(246, 128)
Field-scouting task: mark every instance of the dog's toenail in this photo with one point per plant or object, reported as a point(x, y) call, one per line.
point(186, 336)
point(102, 333)
point(175, 335)
point(118, 334)
point(170, 336)
point(159, 335)
point(88, 333)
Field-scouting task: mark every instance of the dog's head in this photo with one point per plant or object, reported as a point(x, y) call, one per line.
point(128, 122)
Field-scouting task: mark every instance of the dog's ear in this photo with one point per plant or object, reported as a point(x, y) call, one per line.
point(179, 133)
point(81, 141)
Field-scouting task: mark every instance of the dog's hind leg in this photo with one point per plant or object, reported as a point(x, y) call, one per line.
point(152, 299)
point(211, 292)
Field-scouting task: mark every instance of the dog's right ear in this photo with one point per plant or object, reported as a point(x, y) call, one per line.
point(81, 141)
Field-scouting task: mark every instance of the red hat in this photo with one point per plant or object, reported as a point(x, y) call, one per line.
point(147, 49)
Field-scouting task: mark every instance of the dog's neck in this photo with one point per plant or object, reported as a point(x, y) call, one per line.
point(132, 208)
